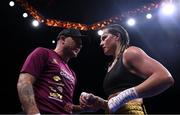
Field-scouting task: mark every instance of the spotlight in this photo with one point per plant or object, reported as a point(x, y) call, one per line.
point(11, 3)
point(100, 32)
point(168, 8)
point(25, 15)
point(53, 41)
point(35, 23)
point(149, 16)
point(131, 22)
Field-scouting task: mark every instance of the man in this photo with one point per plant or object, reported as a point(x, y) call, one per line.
point(46, 82)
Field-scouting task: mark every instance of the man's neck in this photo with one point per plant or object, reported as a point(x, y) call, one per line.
point(61, 54)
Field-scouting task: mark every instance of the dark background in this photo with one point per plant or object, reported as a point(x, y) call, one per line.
point(158, 37)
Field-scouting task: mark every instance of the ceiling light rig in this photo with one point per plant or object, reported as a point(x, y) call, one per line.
point(65, 24)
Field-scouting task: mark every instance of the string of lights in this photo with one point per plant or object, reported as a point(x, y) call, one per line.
point(65, 24)
point(33, 12)
point(144, 9)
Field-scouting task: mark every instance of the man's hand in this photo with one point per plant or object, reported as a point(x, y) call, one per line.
point(89, 102)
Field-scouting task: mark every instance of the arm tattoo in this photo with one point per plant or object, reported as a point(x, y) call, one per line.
point(26, 95)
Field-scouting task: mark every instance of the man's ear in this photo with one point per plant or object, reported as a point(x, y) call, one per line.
point(61, 40)
point(62, 37)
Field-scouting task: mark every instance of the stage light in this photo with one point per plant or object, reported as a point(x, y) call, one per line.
point(167, 8)
point(149, 16)
point(42, 21)
point(25, 15)
point(131, 22)
point(11, 3)
point(35, 23)
point(53, 41)
point(100, 32)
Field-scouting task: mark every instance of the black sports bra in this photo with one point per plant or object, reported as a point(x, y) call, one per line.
point(119, 78)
